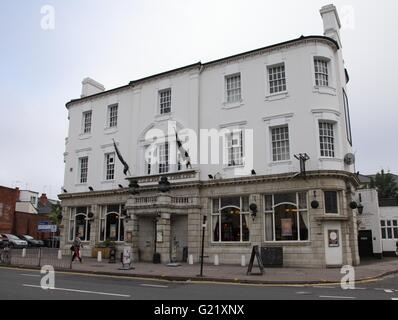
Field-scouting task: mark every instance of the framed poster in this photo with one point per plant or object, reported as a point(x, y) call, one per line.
point(129, 236)
point(287, 227)
point(333, 236)
point(112, 231)
point(159, 236)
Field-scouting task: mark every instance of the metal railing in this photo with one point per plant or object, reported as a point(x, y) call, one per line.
point(35, 257)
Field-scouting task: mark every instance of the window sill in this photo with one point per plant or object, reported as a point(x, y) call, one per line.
point(280, 163)
point(233, 167)
point(108, 181)
point(163, 117)
point(330, 159)
point(111, 130)
point(84, 136)
point(81, 184)
point(287, 243)
point(243, 244)
point(232, 105)
point(325, 90)
point(277, 96)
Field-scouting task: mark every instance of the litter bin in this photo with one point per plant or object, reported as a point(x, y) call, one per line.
point(156, 258)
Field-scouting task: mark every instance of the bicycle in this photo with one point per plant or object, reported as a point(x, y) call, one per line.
point(5, 256)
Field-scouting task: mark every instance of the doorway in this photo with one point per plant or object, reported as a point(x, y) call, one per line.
point(179, 238)
point(333, 244)
point(365, 243)
point(146, 238)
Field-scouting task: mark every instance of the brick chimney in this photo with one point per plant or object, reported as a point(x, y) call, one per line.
point(91, 87)
point(43, 201)
point(331, 22)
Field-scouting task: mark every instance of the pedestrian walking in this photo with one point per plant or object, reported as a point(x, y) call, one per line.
point(76, 247)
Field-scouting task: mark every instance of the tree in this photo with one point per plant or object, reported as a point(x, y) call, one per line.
point(385, 185)
point(56, 215)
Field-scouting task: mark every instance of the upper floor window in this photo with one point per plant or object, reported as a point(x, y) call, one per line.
point(165, 101)
point(87, 121)
point(110, 166)
point(83, 169)
point(277, 78)
point(234, 148)
point(347, 117)
point(326, 139)
point(33, 200)
point(331, 202)
point(389, 229)
point(164, 158)
point(112, 116)
point(233, 88)
point(321, 72)
point(280, 143)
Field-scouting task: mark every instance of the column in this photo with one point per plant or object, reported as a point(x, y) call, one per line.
point(163, 233)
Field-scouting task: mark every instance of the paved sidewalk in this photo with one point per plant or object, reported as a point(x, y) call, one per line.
point(368, 270)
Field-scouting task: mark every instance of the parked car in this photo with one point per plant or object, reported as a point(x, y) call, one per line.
point(52, 242)
point(15, 242)
point(3, 242)
point(32, 242)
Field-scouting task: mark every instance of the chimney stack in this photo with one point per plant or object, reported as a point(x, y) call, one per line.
point(91, 87)
point(331, 22)
point(43, 200)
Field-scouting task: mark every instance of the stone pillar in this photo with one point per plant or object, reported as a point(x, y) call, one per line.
point(163, 234)
point(131, 234)
point(94, 235)
point(64, 230)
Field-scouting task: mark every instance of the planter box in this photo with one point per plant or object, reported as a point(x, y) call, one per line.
point(105, 252)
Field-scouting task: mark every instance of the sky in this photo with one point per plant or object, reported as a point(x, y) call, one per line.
point(114, 42)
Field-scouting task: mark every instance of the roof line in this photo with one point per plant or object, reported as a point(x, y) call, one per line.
point(199, 64)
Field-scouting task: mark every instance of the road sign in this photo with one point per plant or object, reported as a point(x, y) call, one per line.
point(45, 226)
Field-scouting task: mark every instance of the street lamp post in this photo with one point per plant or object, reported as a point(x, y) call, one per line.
point(203, 245)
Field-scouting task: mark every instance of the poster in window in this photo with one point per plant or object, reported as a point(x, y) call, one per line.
point(129, 236)
point(287, 227)
point(80, 230)
point(112, 231)
point(334, 241)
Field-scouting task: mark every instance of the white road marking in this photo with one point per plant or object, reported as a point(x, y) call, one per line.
point(388, 291)
point(336, 297)
point(30, 275)
point(303, 292)
point(153, 285)
point(394, 299)
point(324, 287)
point(82, 291)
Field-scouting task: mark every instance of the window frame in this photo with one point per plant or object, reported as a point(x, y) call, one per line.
point(109, 167)
point(112, 119)
point(230, 149)
point(298, 213)
point(168, 102)
point(389, 225)
point(324, 151)
point(80, 173)
point(219, 215)
point(87, 122)
point(347, 117)
point(269, 81)
point(103, 219)
point(318, 73)
point(227, 90)
point(72, 220)
point(164, 157)
point(271, 129)
point(337, 202)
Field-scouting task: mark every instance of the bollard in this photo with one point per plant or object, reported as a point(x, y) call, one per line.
point(191, 259)
point(243, 261)
point(216, 260)
point(23, 253)
point(99, 256)
point(59, 255)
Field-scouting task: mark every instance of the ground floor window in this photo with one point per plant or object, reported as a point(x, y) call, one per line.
point(79, 224)
point(286, 217)
point(112, 223)
point(389, 229)
point(230, 219)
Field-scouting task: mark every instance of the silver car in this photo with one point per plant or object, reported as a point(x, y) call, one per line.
point(15, 242)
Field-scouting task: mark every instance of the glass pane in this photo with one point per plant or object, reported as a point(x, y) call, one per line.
point(284, 197)
point(389, 233)
point(121, 234)
point(102, 230)
point(230, 201)
point(230, 224)
point(388, 223)
point(302, 200)
point(303, 225)
point(81, 226)
point(112, 227)
point(245, 204)
point(395, 223)
point(268, 202)
point(286, 223)
point(383, 223)
point(71, 230)
point(269, 230)
point(395, 233)
point(331, 202)
point(88, 230)
point(245, 228)
point(112, 208)
point(383, 233)
point(216, 228)
point(216, 204)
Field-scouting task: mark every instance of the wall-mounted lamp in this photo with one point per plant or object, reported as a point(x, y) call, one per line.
point(315, 203)
point(253, 209)
point(91, 188)
point(360, 208)
point(134, 187)
point(164, 185)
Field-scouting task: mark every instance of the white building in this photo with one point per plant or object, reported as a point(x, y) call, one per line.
point(264, 107)
point(27, 202)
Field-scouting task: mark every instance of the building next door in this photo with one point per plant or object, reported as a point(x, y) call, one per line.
point(179, 237)
point(333, 244)
point(146, 238)
point(365, 243)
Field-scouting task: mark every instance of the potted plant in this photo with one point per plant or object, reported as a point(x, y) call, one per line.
point(105, 247)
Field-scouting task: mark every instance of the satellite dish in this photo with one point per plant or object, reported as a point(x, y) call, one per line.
point(349, 159)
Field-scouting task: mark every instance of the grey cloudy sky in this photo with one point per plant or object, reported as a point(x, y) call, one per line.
point(118, 41)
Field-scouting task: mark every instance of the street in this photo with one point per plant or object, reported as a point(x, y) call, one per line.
point(16, 284)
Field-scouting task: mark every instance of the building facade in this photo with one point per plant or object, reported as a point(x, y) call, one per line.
point(227, 135)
